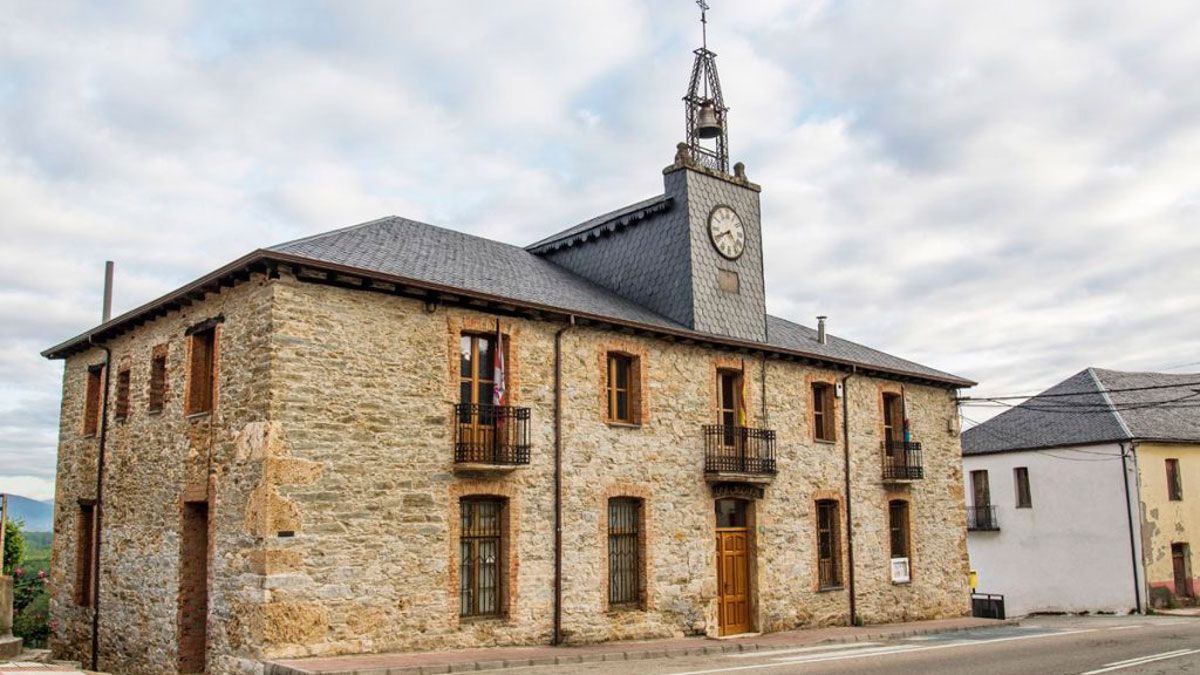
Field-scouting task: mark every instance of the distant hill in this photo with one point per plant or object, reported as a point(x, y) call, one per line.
point(37, 516)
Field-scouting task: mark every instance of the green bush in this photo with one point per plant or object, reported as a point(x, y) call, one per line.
point(31, 593)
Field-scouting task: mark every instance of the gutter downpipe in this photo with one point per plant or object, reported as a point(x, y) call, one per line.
point(1133, 558)
point(99, 503)
point(558, 472)
point(849, 520)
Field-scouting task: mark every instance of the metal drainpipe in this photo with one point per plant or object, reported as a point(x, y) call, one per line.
point(849, 520)
point(558, 470)
point(1137, 586)
point(99, 504)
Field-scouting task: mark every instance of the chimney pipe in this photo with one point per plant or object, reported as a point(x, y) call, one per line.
point(821, 329)
point(108, 283)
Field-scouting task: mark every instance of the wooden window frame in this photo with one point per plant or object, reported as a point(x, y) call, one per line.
point(122, 407)
point(893, 416)
point(203, 356)
point(615, 360)
point(1174, 480)
point(823, 415)
point(156, 393)
point(900, 531)
point(93, 399)
point(85, 551)
point(1021, 485)
point(829, 576)
point(469, 577)
point(631, 594)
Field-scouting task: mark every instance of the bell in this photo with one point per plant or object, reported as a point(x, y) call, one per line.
point(707, 124)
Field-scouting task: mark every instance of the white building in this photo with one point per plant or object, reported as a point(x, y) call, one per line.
point(1082, 497)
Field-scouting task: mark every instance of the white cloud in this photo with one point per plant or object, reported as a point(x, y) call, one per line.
point(1006, 191)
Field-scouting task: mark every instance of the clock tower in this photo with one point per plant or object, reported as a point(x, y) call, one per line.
point(693, 254)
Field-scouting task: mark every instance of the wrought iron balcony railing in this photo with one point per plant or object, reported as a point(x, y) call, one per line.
point(902, 461)
point(491, 434)
point(982, 518)
point(739, 450)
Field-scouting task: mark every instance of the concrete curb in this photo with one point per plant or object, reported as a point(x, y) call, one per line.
point(638, 654)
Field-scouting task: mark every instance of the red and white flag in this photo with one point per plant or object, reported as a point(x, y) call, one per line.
point(499, 395)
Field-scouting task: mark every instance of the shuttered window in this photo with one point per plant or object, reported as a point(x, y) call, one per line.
point(84, 551)
point(898, 527)
point(822, 404)
point(158, 382)
point(91, 404)
point(829, 569)
point(479, 574)
point(202, 371)
point(1021, 482)
point(624, 551)
point(122, 408)
point(1174, 481)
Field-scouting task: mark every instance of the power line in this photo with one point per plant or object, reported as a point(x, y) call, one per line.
point(1090, 392)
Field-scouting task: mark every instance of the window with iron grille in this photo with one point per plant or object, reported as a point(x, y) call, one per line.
point(122, 408)
point(1174, 481)
point(158, 382)
point(829, 569)
point(479, 572)
point(91, 403)
point(1021, 481)
point(624, 551)
point(202, 374)
point(822, 405)
point(898, 526)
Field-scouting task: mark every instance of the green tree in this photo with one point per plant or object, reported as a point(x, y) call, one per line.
point(14, 547)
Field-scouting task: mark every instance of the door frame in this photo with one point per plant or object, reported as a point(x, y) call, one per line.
point(752, 619)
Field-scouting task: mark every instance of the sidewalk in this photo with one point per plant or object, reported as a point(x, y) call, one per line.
point(421, 663)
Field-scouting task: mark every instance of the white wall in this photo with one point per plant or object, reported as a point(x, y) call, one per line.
point(1071, 551)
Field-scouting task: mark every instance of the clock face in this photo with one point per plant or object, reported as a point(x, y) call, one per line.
point(726, 231)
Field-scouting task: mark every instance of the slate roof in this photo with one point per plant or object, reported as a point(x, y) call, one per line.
point(600, 225)
point(436, 257)
point(1096, 406)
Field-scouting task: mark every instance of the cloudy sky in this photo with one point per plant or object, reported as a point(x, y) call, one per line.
point(1005, 190)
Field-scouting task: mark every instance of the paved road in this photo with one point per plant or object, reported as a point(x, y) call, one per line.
point(1044, 645)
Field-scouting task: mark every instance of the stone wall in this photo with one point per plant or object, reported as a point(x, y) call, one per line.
point(328, 468)
point(155, 462)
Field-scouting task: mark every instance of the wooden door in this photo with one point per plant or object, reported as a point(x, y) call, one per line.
point(1179, 562)
point(733, 580)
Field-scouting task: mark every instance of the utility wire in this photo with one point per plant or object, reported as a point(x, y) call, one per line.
point(1082, 393)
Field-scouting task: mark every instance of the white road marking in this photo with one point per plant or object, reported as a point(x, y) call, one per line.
point(1119, 665)
point(1123, 627)
point(798, 650)
point(909, 649)
point(1141, 658)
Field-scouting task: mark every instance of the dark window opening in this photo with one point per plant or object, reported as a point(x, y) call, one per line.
point(1174, 481)
point(893, 418)
point(122, 408)
point(898, 526)
point(91, 404)
point(158, 382)
point(85, 550)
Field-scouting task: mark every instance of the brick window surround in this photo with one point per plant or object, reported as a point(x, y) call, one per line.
point(91, 400)
point(644, 543)
point(484, 326)
point(203, 369)
point(635, 353)
point(509, 558)
point(156, 386)
point(824, 423)
point(121, 409)
point(833, 497)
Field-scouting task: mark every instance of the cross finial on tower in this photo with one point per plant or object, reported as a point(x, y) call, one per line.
point(703, 22)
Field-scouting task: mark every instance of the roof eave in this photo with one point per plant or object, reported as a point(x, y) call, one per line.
point(261, 256)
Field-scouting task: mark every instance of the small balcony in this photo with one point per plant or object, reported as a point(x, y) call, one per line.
point(982, 519)
point(490, 437)
point(901, 461)
point(739, 454)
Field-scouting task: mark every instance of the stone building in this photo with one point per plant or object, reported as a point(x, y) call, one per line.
point(400, 437)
